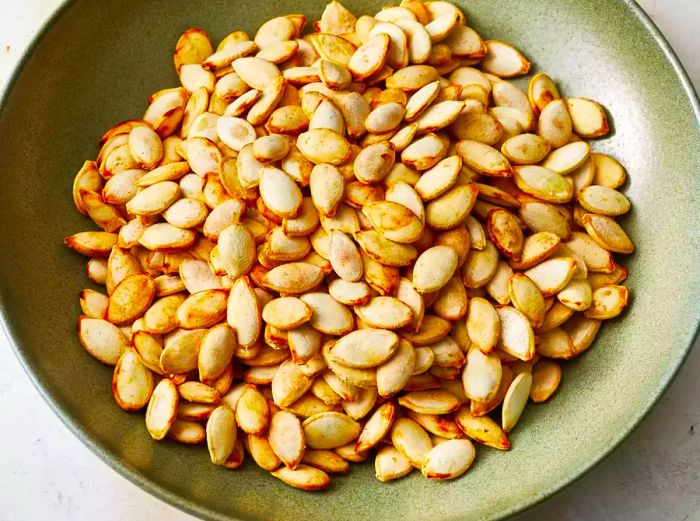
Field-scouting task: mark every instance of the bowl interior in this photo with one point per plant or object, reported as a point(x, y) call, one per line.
point(98, 63)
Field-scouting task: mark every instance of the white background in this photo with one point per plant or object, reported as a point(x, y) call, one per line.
point(47, 473)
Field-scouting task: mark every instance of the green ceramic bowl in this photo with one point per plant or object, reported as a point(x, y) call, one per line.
point(95, 63)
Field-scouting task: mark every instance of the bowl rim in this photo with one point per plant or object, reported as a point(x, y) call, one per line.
point(162, 493)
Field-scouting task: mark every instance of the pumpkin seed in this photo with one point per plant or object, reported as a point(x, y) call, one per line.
point(385, 313)
point(556, 343)
point(333, 75)
point(252, 411)
point(166, 237)
point(577, 295)
point(608, 171)
point(397, 55)
point(516, 336)
point(185, 431)
point(162, 409)
point(541, 91)
point(480, 266)
point(542, 217)
point(289, 384)
point(618, 274)
point(442, 25)
point(303, 477)
point(154, 199)
point(482, 375)
point(608, 302)
point(607, 233)
point(424, 358)
point(423, 382)
point(286, 313)
point(394, 221)
point(439, 115)
point(436, 401)
point(236, 250)
point(452, 302)
point(596, 258)
point(325, 392)
point(344, 390)
point(504, 60)
point(582, 331)
point(329, 316)
point(186, 213)
point(304, 342)
point(130, 299)
point(221, 434)
point(326, 460)
point(385, 118)
point(332, 47)
point(391, 464)
point(411, 441)
point(161, 317)
point(279, 192)
point(268, 149)
point(555, 316)
point(102, 339)
point(345, 257)
point(424, 153)
point(383, 250)
point(259, 448)
point(434, 268)
point(567, 158)
point(94, 304)
point(449, 460)
point(193, 46)
point(603, 200)
point(484, 159)
point(552, 275)
point(515, 400)
point(421, 100)
point(202, 309)
point(328, 116)
point(199, 393)
point(543, 183)
point(194, 76)
point(349, 293)
point(554, 124)
point(329, 430)
point(482, 429)
point(322, 145)
point(546, 376)
point(451, 208)
point(527, 298)
point(588, 117)
point(287, 438)
point(327, 187)
point(180, 352)
point(355, 110)
point(525, 149)
point(377, 427)
point(364, 348)
point(293, 278)
point(216, 350)
point(505, 233)
point(374, 162)
point(536, 248)
point(362, 405)
point(438, 179)
point(278, 52)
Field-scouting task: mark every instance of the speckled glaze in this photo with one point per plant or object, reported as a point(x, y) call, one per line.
point(97, 62)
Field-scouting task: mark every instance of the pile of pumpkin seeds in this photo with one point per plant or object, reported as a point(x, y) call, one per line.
point(364, 240)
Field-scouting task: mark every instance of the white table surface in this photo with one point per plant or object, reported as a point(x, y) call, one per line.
point(45, 472)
